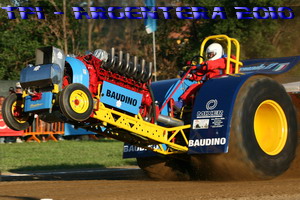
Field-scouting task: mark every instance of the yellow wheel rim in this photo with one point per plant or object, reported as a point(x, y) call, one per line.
point(270, 127)
point(79, 101)
point(13, 109)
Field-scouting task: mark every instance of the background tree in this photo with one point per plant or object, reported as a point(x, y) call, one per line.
point(177, 40)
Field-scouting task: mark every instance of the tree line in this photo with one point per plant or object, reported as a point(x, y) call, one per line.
point(176, 40)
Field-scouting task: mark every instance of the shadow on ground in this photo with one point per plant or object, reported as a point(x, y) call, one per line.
point(17, 197)
point(74, 172)
point(55, 168)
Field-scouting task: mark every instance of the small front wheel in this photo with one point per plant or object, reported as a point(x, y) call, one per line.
point(76, 102)
point(13, 113)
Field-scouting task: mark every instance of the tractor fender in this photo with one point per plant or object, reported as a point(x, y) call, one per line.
point(212, 114)
point(80, 73)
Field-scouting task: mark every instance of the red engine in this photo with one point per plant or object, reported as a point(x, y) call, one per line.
point(122, 70)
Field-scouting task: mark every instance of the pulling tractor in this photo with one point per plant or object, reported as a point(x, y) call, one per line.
point(238, 124)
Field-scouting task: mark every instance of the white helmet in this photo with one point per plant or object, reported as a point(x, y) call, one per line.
point(18, 85)
point(214, 51)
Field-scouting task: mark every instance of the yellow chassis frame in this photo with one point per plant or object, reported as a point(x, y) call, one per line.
point(158, 135)
point(136, 125)
point(153, 135)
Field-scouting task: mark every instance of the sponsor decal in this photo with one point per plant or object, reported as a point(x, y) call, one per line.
point(209, 117)
point(36, 68)
point(280, 67)
point(272, 66)
point(59, 55)
point(121, 98)
point(210, 114)
point(211, 104)
point(217, 122)
point(207, 142)
point(132, 148)
point(35, 105)
point(201, 124)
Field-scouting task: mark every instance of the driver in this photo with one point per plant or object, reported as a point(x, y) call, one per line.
point(215, 64)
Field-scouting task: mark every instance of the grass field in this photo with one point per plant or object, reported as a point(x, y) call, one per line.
point(32, 156)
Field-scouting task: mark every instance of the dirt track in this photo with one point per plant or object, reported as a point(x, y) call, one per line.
point(132, 184)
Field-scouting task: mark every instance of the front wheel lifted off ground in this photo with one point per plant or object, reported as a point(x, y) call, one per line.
point(76, 102)
point(13, 113)
point(263, 136)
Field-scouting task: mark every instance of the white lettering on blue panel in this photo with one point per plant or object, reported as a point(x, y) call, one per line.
point(121, 98)
point(132, 148)
point(207, 142)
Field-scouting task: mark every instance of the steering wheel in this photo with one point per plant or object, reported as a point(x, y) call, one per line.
point(192, 60)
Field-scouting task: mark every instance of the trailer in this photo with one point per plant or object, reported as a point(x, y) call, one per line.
point(238, 124)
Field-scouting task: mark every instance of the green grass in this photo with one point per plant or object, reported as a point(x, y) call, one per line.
point(32, 156)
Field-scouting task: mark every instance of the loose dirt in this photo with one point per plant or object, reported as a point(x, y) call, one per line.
point(133, 184)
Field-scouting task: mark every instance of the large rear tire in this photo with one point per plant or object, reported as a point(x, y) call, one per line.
point(263, 136)
point(76, 102)
point(163, 168)
point(13, 113)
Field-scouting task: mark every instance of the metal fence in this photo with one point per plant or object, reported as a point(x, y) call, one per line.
point(46, 131)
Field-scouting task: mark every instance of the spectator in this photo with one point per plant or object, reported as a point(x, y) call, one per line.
point(11, 90)
point(18, 88)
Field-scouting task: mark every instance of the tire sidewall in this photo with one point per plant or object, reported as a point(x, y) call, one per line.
point(8, 117)
point(64, 102)
point(264, 88)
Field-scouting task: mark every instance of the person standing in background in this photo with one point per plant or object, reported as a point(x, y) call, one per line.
point(18, 88)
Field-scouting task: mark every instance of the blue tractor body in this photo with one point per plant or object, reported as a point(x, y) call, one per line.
point(214, 104)
point(174, 122)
